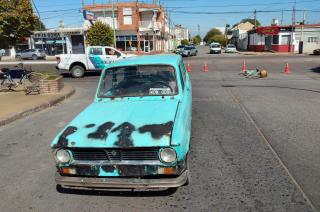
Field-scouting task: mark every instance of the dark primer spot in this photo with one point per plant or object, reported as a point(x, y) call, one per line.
point(88, 170)
point(124, 136)
point(108, 168)
point(101, 132)
point(63, 141)
point(157, 130)
point(137, 171)
point(89, 125)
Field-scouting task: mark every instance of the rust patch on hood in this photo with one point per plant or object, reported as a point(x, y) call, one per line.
point(157, 130)
point(63, 141)
point(90, 125)
point(101, 132)
point(124, 136)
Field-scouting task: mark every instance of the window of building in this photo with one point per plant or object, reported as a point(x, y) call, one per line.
point(286, 39)
point(127, 16)
point(312, 39)
point(127, 42)
point(275, 39)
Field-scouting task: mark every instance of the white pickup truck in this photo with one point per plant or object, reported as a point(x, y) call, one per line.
point(96, 58)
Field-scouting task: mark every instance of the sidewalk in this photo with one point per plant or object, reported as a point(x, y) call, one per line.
point(16, 105)
point(270, 53)
point(8, 58)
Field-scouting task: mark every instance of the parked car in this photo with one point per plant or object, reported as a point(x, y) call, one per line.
point(231, 48)
point(2, 52)
point(95, 59)
point(136, 133)
point(179, 49)
point(215, 48)
point(34, 54)
point(189, 51)
point(316, 52)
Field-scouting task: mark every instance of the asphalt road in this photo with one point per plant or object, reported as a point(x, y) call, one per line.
point(255, 145)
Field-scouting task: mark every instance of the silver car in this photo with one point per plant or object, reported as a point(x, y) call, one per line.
point(34, 54)
point(189, 51)
point(231, 48)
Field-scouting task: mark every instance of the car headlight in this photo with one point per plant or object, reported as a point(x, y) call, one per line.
point(62, 156)
point(168, 155)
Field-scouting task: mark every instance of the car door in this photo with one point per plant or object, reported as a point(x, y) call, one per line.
point(95, 55)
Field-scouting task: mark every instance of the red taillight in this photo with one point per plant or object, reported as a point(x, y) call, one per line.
point(58, 59)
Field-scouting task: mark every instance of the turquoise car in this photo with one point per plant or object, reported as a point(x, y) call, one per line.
point(136, 132)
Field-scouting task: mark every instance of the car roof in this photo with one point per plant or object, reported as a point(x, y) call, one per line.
point(160, 59)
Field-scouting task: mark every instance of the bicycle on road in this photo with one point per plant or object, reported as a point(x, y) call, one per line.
point(11, 78)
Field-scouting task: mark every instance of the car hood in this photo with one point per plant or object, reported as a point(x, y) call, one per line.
point(121, 123)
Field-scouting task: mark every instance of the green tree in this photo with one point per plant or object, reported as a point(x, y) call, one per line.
point(184, 42)
point(219, 39)
point(100, 34)
point(209, 38)
point(39, 25)
point(196, 40)
point(16, 21)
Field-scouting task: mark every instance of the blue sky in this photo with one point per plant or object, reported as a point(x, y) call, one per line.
point(52, 12)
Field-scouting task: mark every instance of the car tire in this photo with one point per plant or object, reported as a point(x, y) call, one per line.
point(77, 71)
point(189, 54)
point(34, 57)
point(18, 57)
point(211, 52)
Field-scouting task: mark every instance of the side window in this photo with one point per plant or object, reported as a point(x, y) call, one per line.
point(182, 75)
point(95, 51)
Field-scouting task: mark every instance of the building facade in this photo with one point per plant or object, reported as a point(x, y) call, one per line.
point(59, 41)
point(305, 39)
point(138, 26)
point(271, 38)
point(180, 33)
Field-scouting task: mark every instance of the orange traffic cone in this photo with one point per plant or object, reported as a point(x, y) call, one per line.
point(188, 68)
point(244, 66)
point(286, 69)
point(205, 67)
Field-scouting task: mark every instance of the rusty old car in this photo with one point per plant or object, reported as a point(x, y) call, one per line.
point(136, 132)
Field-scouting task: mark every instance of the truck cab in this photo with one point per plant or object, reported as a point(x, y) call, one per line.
point(96, 58)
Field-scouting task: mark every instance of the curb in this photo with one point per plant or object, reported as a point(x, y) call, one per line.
point(50, 103)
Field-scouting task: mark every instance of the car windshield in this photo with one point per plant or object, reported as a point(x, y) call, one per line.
point(187, 48)
point(144, 80)
point(180, 47)
point(231, 46)
point(215, 46)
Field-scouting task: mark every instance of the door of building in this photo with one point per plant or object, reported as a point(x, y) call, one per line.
point(268, 43)
point(146, 46)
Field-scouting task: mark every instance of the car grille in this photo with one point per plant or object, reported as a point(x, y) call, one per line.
point(115, 154)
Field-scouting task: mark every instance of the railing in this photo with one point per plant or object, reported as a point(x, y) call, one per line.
point(150, 25)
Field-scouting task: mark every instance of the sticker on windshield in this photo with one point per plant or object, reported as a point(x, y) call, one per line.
point(159, 91)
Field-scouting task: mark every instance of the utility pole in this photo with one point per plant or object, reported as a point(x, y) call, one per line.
point(255, 18)
point(281, 18)
point(292, 26)
point(114, 27)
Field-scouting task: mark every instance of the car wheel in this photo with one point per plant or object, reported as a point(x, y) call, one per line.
point(34, 57)
point(77, 71)
point(211, 52)
point(189, 54)
point(18, 57)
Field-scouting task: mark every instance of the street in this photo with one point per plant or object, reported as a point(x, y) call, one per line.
point(254, 147)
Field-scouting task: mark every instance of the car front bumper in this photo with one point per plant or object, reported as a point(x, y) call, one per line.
point(115, 182)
